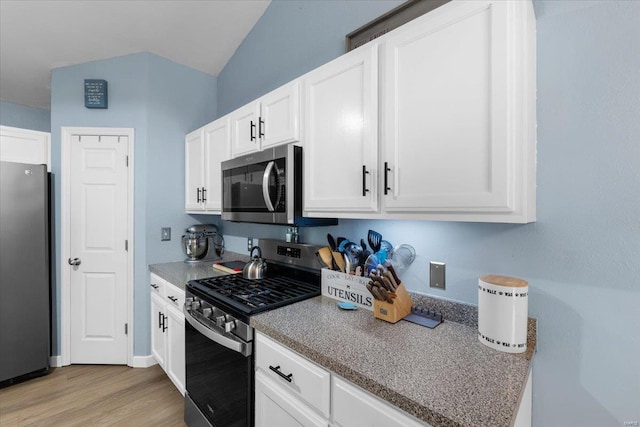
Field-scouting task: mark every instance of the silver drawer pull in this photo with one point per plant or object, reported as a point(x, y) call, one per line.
point(279, 372)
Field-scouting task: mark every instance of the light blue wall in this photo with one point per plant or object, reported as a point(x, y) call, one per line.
point(291, 38)
point(162, 101)
point(21, 116)
point(582, 256)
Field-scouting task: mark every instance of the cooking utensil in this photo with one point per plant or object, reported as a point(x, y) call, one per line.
point(402, 256)
point(375, 239)
point(257, 267)
point(326, 255)
point(339, 240)
point(332, 242)
point(370, 264)
point(321, 261)
point(348, 268)
point(338, 258)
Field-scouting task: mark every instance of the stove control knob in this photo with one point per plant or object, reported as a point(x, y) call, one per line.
point(187, 303)
point(206, 312)
point(195, 305)
point(220, 321)
point(229, 326)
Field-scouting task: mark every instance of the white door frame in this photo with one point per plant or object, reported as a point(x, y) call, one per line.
point(65, 297)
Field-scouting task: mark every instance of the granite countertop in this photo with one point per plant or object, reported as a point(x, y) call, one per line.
point(443, 376)
point(180, 272)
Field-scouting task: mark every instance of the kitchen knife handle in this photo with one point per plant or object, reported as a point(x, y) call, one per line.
point(386, 178)
point(364, 181)
point(260, 125)
point(279, 372)
point(253, 131)
point(198, 194)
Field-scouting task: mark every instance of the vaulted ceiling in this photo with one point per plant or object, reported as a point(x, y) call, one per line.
point(37, 36)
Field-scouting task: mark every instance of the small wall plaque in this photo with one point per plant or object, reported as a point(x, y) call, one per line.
point(95, 93)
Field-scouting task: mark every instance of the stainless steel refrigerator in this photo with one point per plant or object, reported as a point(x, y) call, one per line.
point(24, 271)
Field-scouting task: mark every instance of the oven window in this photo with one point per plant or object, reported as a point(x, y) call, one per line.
point(243, 188)
point(219, 381)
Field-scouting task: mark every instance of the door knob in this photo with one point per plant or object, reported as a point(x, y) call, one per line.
point(75, 261)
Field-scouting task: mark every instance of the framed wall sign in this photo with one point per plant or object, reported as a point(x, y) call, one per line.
point(391, 20)
point(95, 93)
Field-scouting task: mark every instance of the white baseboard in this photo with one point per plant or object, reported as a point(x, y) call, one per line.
point(55, 361)
point(143, 361)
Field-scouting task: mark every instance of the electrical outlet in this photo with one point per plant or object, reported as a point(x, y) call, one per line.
point(249, 243)
point(165, 234)
point(436, 275)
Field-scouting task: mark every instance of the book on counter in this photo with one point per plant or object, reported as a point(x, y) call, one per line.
point(231, 267)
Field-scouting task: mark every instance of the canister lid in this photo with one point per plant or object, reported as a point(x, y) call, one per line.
point(510, 282)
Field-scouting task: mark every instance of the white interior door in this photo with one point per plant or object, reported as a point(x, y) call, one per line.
point(98, 245)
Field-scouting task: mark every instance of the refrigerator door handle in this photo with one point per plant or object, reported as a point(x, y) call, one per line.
point(75, 261)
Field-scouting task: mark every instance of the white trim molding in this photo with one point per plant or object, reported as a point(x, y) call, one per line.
point(143, 361)
point(65, 206)
point(55, 361)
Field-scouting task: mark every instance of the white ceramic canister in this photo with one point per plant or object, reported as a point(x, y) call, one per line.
point(503, 306)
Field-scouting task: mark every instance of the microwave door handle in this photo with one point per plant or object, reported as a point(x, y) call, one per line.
point(265, 186)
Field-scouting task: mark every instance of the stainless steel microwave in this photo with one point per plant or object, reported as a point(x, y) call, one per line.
point(266, 187)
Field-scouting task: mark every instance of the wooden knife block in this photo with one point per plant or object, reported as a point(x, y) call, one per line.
point(392, 313)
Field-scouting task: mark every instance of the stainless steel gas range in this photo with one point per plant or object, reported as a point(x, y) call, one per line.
point(219, 339)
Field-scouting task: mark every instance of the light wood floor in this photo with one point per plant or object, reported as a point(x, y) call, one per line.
point(93, 395)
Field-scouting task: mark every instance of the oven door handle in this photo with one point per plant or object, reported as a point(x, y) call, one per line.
point(265, 186)
point(238, 347)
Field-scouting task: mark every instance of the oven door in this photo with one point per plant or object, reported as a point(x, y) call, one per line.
point(219, 371)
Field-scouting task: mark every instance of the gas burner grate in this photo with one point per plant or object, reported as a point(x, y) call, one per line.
point(260, 294)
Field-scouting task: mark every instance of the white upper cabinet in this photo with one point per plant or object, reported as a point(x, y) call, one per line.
point(194, 170)
point(217, 148)
point(25, 146)
point(205, 149)
point(340, 135)
point(458, 114)
point(272, 120)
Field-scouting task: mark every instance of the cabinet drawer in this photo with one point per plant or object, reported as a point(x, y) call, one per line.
point(354, 407)
point(175, 296)
point(307, 380)
point(157, 285)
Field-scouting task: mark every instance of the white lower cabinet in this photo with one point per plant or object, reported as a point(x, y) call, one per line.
point(277, 407)
point(167, 329)
point(293, 391)
point(354, 407)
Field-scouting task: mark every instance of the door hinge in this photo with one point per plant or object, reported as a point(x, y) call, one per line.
point(126, 329)
point(126, 160)
point(126, 245)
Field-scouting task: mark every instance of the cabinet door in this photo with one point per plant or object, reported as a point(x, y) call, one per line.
point(353, 407)
point(445, 87)
point(158, 323)
point(194, 170)
point(175, 366)
point(244, 130)
point(276, 407)
point(25, 146)
point(217, 149)
point(279, 121)
point(340, 134)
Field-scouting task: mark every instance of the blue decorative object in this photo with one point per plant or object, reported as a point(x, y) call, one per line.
point(95, 93)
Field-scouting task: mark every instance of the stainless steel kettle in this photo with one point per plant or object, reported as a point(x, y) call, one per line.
point(257, 267)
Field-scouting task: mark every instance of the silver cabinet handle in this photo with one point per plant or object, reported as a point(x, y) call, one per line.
point(265, 186)
point(75, 261)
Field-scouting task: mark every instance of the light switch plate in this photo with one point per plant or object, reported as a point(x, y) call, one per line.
point(165, 234)
point(436, 275)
